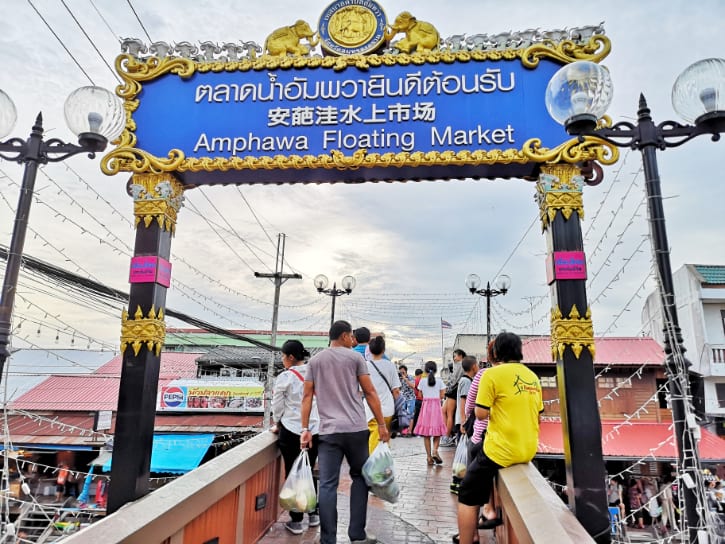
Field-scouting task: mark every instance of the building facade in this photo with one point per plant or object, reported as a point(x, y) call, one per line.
point(700, 297)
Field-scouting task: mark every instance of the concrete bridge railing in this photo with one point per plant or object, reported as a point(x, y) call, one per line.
point(532, 512)
point(233, 499)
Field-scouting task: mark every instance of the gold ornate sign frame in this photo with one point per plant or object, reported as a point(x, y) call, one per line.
point(127, 157)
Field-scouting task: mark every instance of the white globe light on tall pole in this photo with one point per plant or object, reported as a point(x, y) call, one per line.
point(96, 116)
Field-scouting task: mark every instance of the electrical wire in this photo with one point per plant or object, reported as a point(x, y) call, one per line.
point(116, 36)
point(61, 42)
point(93, 44)
point(139, 20)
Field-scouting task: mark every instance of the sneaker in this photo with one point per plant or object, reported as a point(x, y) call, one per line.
point(314, 520)
point(369, 539)
point(448, 442)
point(294, 527)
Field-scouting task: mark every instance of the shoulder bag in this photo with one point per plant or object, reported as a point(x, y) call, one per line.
point(401, 417)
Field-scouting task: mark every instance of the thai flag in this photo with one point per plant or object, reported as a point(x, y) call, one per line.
point(445, 324)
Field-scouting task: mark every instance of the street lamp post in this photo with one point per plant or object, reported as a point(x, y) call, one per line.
point(96, 116)
point(577, 96)
point(502, 285)
point(321, 282)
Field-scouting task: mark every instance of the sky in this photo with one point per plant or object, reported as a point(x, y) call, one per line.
point(410, 246)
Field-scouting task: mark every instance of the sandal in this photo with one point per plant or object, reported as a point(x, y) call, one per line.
point(492, 523)
point(430, 461)
point(437, 459)
point(455, 539)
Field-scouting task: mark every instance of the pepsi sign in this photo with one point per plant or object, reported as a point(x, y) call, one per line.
point(173, 397)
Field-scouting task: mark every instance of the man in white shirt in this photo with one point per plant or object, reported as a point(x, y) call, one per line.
point(386, 380)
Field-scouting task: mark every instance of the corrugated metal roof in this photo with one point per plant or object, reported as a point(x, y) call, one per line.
point(634, 440)
point(193, 337)
point(608, 351)
point(174, 365)
point(72, 394)
point(99, 390)
point(66, 429)
point(244, 355)
point(218, 423)
point(711, 274)
point(28, 367)
point(75, 429)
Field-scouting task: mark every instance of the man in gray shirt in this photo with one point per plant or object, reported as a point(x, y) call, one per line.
point(335, 377)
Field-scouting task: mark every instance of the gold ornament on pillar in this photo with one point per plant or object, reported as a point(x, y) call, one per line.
point(140, 330)
point(575, 331)
point(559, 189)
point(156, 196)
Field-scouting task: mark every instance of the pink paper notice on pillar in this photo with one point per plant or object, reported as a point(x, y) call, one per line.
point(163, 273)
point(570, 265)
point(149, 269)
point(143, 269)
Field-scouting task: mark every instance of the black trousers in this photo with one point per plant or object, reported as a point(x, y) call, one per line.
point(289, 445)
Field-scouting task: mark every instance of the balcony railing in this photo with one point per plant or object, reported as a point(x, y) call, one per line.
point(717, 359)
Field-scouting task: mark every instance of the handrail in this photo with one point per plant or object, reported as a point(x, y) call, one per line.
point(163, 514)
point(533, 512)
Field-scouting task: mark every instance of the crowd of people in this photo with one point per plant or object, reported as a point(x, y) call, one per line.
point(340, 403)
point(651, 501)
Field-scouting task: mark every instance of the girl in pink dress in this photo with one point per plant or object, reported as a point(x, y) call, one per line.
point(430, 421)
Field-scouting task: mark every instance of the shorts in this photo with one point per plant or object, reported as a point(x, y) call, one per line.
point(477, 484)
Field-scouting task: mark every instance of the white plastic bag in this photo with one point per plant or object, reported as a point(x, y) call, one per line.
point(298, 492)
point(379, 473)
point(460, 459)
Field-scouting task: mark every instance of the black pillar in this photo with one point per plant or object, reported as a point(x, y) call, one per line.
point(675, 364)
point(572, 341)
point(157, 199)
point(333, 294)
point(488, 316)
point(33, 156)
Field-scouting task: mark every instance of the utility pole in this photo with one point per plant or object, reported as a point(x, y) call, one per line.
point(531, 300)
point(279, 278)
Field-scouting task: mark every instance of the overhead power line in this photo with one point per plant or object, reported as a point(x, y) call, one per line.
point(139, 20)
point(107, 292)
point(104, 21)
point(93, 44)
point(61, 42)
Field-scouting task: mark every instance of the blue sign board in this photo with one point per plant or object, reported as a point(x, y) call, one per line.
point(441, 107)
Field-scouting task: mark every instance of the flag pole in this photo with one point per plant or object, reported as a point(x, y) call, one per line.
point(443, 360)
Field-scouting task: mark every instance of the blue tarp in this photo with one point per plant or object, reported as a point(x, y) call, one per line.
point(176, 453)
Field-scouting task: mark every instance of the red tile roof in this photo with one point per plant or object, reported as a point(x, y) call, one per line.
point(634, 440)
point(608, 351)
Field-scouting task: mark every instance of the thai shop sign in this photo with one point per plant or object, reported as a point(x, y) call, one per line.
point(211, 396)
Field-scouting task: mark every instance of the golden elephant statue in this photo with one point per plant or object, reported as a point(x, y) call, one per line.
point(287, 40)
point(419, 35)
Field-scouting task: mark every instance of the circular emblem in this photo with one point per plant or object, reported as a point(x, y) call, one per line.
point(171, 397)
point(352, 27)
